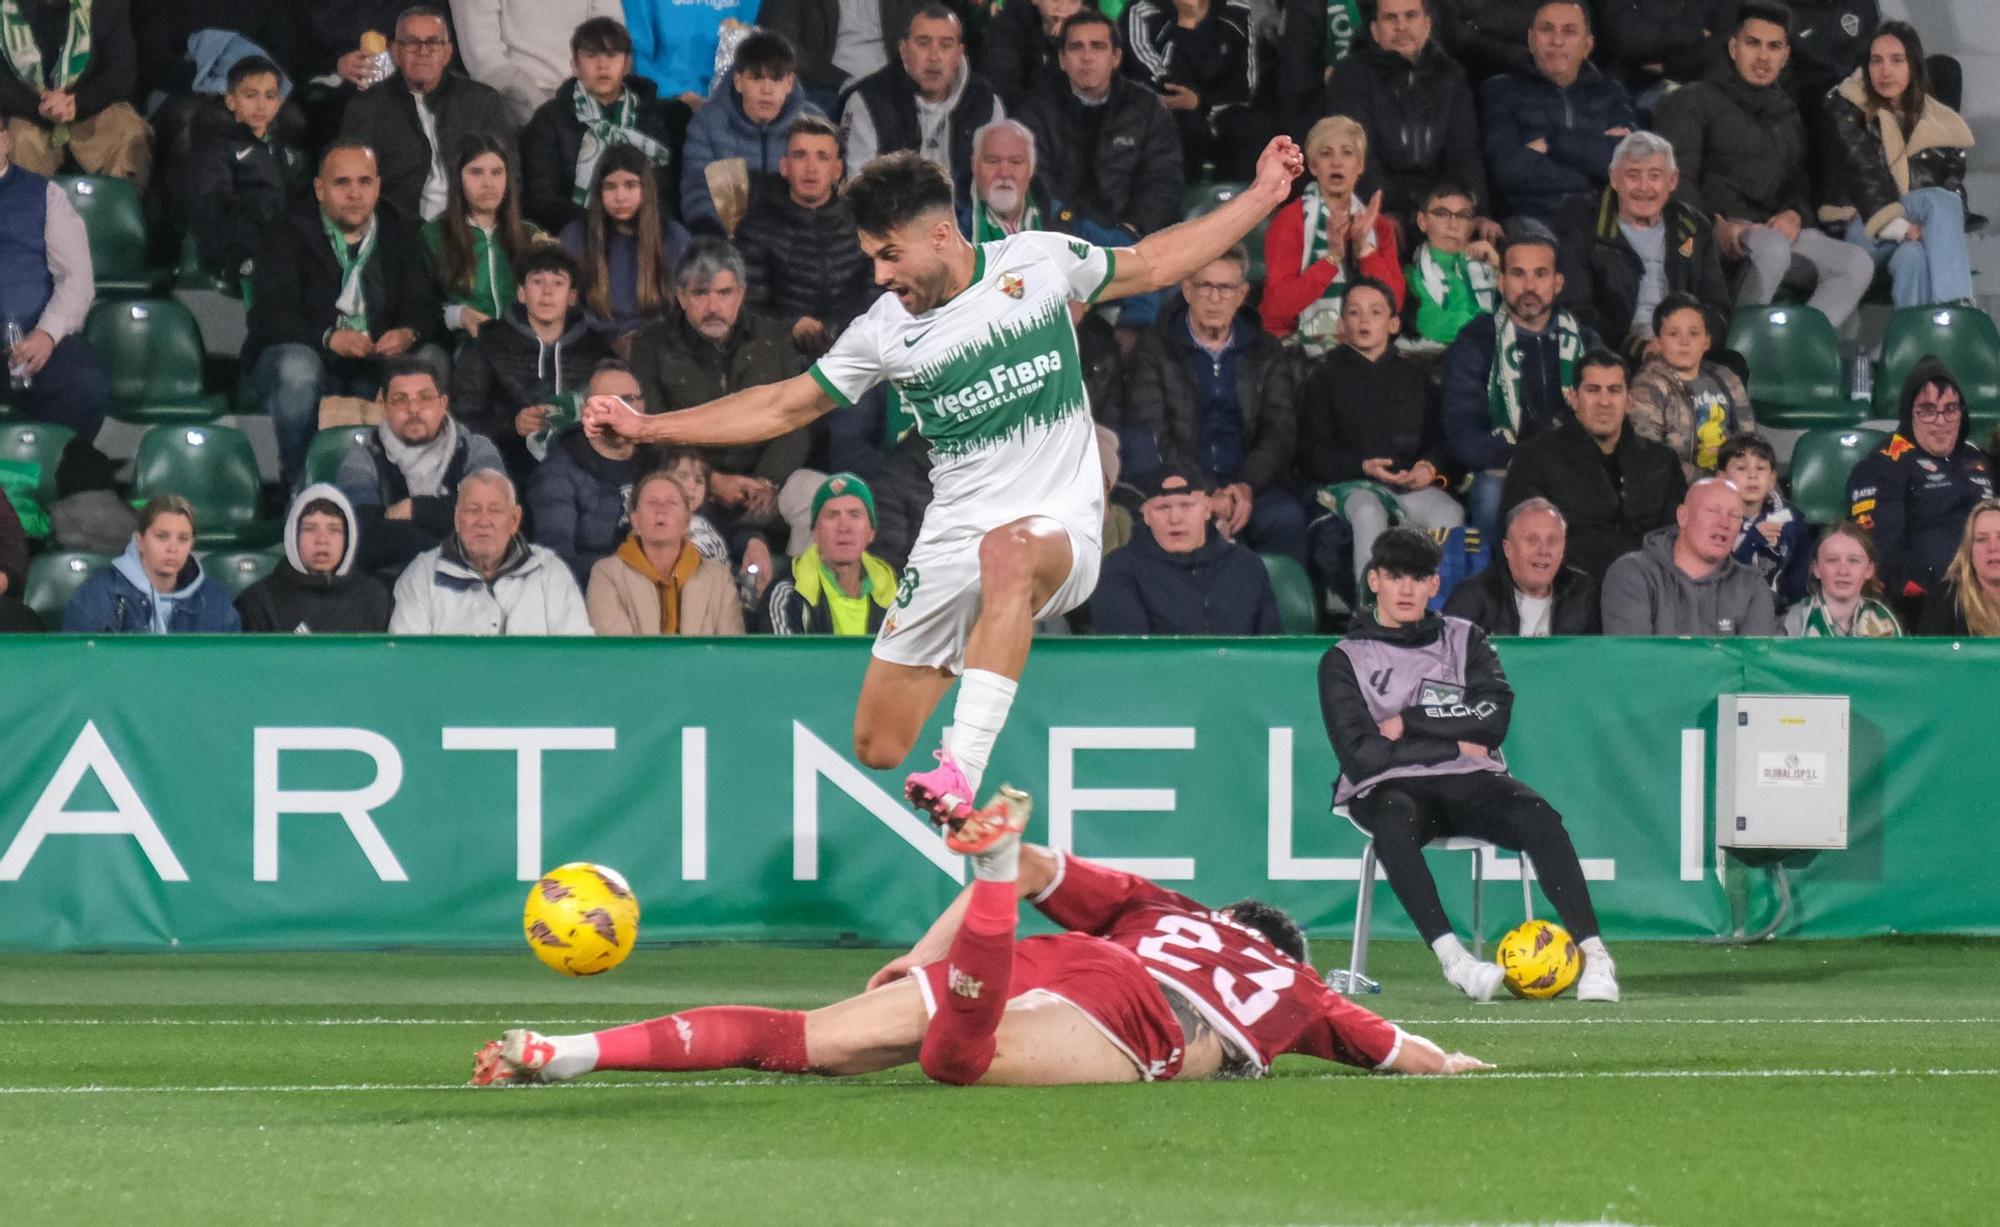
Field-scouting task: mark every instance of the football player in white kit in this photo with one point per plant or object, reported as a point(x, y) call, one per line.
point(980, 343)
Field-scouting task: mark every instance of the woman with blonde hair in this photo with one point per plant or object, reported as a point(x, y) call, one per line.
point(1968, 604)
point(1328, 238)
point(1845, 598)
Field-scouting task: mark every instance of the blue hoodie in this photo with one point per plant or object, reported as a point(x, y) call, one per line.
point(723, 130)
point(673, 41)
point(119, 599)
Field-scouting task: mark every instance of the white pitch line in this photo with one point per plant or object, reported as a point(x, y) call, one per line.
point(544, 1021)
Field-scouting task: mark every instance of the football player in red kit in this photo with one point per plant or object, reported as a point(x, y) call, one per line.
point(1145, 984)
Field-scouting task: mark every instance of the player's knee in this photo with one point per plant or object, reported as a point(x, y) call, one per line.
point(878, 750)
point(1006, 560)
point(954, 1065)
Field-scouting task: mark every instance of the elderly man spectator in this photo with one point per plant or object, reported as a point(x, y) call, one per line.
point(1612, 486)
point(836, 587)
point(1628, 249)
point(46, 289)
point(1199, 57)
point(515, 46)
point(1742, 148)
point(1175, 577)
point(1021, 47)
point(1550, 132)
point(658, 583)
point(1003, 197)
point(1529, 590)
point(415, 122)
point(928, 100)
point(740, 135)
point(713, 346)
point(1219, 394)
point(1105, 145)
point(1415, 104)
point(578, 496)
point(339, 287)
point(401, 479)
point(485, 579)
point(603, 103)
point(1683, 579)
point(67, 86)
point(1506, 373)
point(317, 589)
point(798, 242)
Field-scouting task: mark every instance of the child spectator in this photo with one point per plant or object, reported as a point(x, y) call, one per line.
point(473, 247)
point(626, 247)
point(748, 119)
point(1845, 600)
point(156, 586)
point(1454, 277)
point(1775, 540)
point(242, 175)
point(317, 589)
point(1683, 400)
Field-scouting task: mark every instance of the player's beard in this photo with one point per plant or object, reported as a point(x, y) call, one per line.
point(931, 289)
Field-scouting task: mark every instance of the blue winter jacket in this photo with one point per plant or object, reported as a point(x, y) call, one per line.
point(722, 130)
point(1523, 108)
point(119, 600)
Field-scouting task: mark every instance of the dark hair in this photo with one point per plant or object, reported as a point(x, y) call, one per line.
point(409, 364)
point(323, 507)
point(814, 125)
point(1910, 107)
point(1778, 14)
point(1376, 284)
point(1598, 358)
point(1746, 445)
point(547, 258)
point(615, 366)
point(346, 144)
point(458, 271)
point(1273, 922)
point(1526, 232)
point(1405, 553)
point(601, 36)
point(1589, 21)
point(896, 189)
point(933, 11)
point(765, 55)
point(651, 293)
point(1674, 304)
point(1088, 16)
point(431, 11)
point(674, 455)
point(1447, 186)
point(252, 66)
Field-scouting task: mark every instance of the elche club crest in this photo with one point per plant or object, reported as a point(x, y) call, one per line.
point(1012, 286)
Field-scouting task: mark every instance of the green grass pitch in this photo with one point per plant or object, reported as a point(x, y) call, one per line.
point(1796, 1082)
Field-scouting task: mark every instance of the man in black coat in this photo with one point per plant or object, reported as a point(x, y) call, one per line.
point(1178, 578)
point(1415, 104)
point(416, 121)
point(338, 287)
point(1611, 486)
point(1550, 131)
point(1019, 48)
point(601, 58)
point(1528, 590)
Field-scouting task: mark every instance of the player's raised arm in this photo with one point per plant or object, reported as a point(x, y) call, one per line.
point(1170, 256)
point(750, 416)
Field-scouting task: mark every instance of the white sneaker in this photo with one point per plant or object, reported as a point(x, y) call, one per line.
point(1599, 981)
point(1476, 979)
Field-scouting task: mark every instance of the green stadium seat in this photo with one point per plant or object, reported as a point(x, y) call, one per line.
point(116, 222)
point(1298, 603)
point(1795, 371)
point(39, 443)
point(238, 569)
point(1200, 198)
point(155, 352)
point(190, 275)
point(329, 448)
point(1963, 338)
point(54, 578)
point(212, 467)
point(1821, 460)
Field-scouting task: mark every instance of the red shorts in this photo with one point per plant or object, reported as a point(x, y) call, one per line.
point(1105, 982)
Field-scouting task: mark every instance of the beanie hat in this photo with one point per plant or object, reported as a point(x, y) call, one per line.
point(840, 484)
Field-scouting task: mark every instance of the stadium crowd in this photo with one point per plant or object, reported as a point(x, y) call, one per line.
point(1516, 301)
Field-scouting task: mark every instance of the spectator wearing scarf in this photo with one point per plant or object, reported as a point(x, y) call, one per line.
point(658, 583)
point(1318, 244)
point(71, 68)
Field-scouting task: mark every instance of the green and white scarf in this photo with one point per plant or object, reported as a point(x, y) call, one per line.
point(24, 54)
point(1319, 324)
point(987, 229)
point(1871, 621)
point(353, 301)
point(602, 129)
point(1478, 275)
point(1503, 385)
point(1343, 25)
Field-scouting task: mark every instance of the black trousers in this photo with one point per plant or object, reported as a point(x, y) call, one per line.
point(1404, 815)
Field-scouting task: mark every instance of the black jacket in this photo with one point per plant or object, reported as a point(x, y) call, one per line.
point(509, 368)
point(1468, 367)
point(1854, 170)
point(290, 600)
point(297, 280)
point(1829, 40)
point(1214, 58)
point(554, 136)
point(890, 94)
point(1940, 614)
point(1430, 733)
point(1487, 601)
point(1741, 148)
point(813, 26)
point(1601, 271)
point(1523, 107)
point(679, 368)
point(1161, 396)
point(577, 496)
point(1489, 37)
point(803, 262)
point(1913, 503)
point(1420, 121)
point(329, 29)
point(1635, 35)
point(109, 77)
point(1016, 56)
point(1351, 410)
point(386, 118)
point(1219, 589)
point(1132, 178)
point(239, 187)
point(1566, 467)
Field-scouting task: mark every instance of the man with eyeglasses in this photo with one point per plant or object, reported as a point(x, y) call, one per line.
point(402, 479)
point(416, 122)
point(1914, 492)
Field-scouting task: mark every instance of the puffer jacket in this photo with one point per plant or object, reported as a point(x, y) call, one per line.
point(1573, 119)
point(533, 593)
point(1683, 37)
point(1868, 164)
point(577, 498)
point(509, 367)
point(293, 600)
point(554, 137)
point(723, 130)
point(1830, 39)
point(1741, 148)
point(803, 262)
point(1219, 589)
point(1420, 121)
point(119, 600)
point(1489, 37)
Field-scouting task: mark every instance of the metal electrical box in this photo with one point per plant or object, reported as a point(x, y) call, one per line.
point(1781, 771)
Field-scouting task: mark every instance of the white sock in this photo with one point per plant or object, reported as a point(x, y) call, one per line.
point(575, 1055)
point(1593, 948)
point(1001, 864)
point(1450, 950)
point(984, 698)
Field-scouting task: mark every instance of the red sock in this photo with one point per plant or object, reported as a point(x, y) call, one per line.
point(713, 1037)
point(958, 1046)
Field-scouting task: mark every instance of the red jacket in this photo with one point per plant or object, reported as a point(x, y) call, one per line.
point(1287, 291)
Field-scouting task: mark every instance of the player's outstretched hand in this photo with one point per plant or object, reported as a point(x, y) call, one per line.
point(1460, 1063)
point(895, 970)
point(611, 417)
point(1279, 164)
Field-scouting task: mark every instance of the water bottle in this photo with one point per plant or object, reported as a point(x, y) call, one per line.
point(746, 588)
point(18, 379)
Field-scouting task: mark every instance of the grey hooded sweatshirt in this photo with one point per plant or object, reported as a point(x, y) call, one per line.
point(1646, 594)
